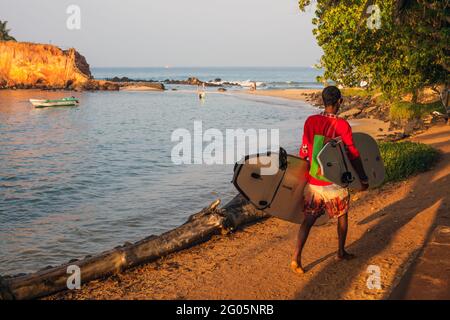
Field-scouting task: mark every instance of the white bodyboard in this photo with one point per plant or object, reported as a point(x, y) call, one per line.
point(279, 194)
point(336, 167)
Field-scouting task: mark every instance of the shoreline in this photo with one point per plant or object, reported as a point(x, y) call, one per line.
point(377, 128)
point(388, 228)
point(291, 94)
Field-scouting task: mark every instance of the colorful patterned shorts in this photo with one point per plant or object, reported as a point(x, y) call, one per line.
point(332, 199)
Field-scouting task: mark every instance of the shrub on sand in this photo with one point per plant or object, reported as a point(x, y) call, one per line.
point(403, 110)
point(403, 159)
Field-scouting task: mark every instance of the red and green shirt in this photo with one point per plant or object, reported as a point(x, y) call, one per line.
point(318, 130)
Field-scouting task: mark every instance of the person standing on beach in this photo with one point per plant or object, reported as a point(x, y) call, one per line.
point(321, 196)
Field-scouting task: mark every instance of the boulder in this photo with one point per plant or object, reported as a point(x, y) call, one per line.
point(350, 113)
point(141, 86)
point(90, 85)
point(370, 109)
point(194, 81)
point(413, 125)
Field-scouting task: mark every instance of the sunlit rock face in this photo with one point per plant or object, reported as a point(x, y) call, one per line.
point(31, 65)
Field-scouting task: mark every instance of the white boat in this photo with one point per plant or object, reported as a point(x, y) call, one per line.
point(64, 102)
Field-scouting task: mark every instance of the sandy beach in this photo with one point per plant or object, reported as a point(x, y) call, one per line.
point(388, 228)
point(293, 94)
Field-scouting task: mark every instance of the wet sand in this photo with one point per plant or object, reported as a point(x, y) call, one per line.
point(293, 94)
point(388, 228)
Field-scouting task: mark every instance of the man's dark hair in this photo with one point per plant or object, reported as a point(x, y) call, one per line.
point(331, 95)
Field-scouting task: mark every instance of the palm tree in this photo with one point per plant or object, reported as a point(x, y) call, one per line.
point(4, 32)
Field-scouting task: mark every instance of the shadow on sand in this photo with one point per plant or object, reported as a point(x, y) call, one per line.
point(391, 219)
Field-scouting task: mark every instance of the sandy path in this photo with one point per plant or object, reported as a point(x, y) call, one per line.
point(388, 227)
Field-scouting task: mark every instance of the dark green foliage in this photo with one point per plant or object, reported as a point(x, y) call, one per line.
point(403, 159)
point(4, 32)
point(410, 49)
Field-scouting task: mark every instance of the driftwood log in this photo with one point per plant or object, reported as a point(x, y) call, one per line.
point(199, 228)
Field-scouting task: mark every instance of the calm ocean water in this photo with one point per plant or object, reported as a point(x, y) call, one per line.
point(266, 77)
point(77, 181)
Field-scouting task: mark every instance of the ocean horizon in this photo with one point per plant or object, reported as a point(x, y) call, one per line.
point(265, 77)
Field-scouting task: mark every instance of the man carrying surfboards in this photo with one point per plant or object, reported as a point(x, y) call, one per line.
point(320, 195)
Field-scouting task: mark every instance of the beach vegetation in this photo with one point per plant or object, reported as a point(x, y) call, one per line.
point(4, 32)
point(404, 110)
point(360, 92)
point(406, 158)
point(397, 46)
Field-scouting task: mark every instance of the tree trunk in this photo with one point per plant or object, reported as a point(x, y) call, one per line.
point(199, 227)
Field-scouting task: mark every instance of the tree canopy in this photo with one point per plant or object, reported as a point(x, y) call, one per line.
point(398, 46)
point(4, 32)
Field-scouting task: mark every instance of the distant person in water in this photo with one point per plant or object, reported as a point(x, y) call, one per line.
point(201, 91)
point(320, 196)
point(253, 86)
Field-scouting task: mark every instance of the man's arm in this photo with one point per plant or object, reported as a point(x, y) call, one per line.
point(358, 166)
point(304, 152)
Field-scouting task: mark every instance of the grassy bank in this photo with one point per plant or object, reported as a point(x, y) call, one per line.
point(403, 159)
point(400, 108)
point(358, 92)
point(403, 110)
point(377, 95)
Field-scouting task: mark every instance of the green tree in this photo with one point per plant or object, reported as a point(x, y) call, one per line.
point(408, 50)
point(4, 32)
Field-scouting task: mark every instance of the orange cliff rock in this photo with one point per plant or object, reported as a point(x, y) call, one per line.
point(26, 65)
point(30, 65)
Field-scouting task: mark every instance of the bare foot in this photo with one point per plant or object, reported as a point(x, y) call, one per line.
point(297, 268)
point(345, 256)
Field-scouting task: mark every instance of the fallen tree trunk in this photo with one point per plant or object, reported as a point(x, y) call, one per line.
point(239, 212)
point(199, 228)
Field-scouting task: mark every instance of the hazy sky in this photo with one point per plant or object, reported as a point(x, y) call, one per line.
point(171, 32)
